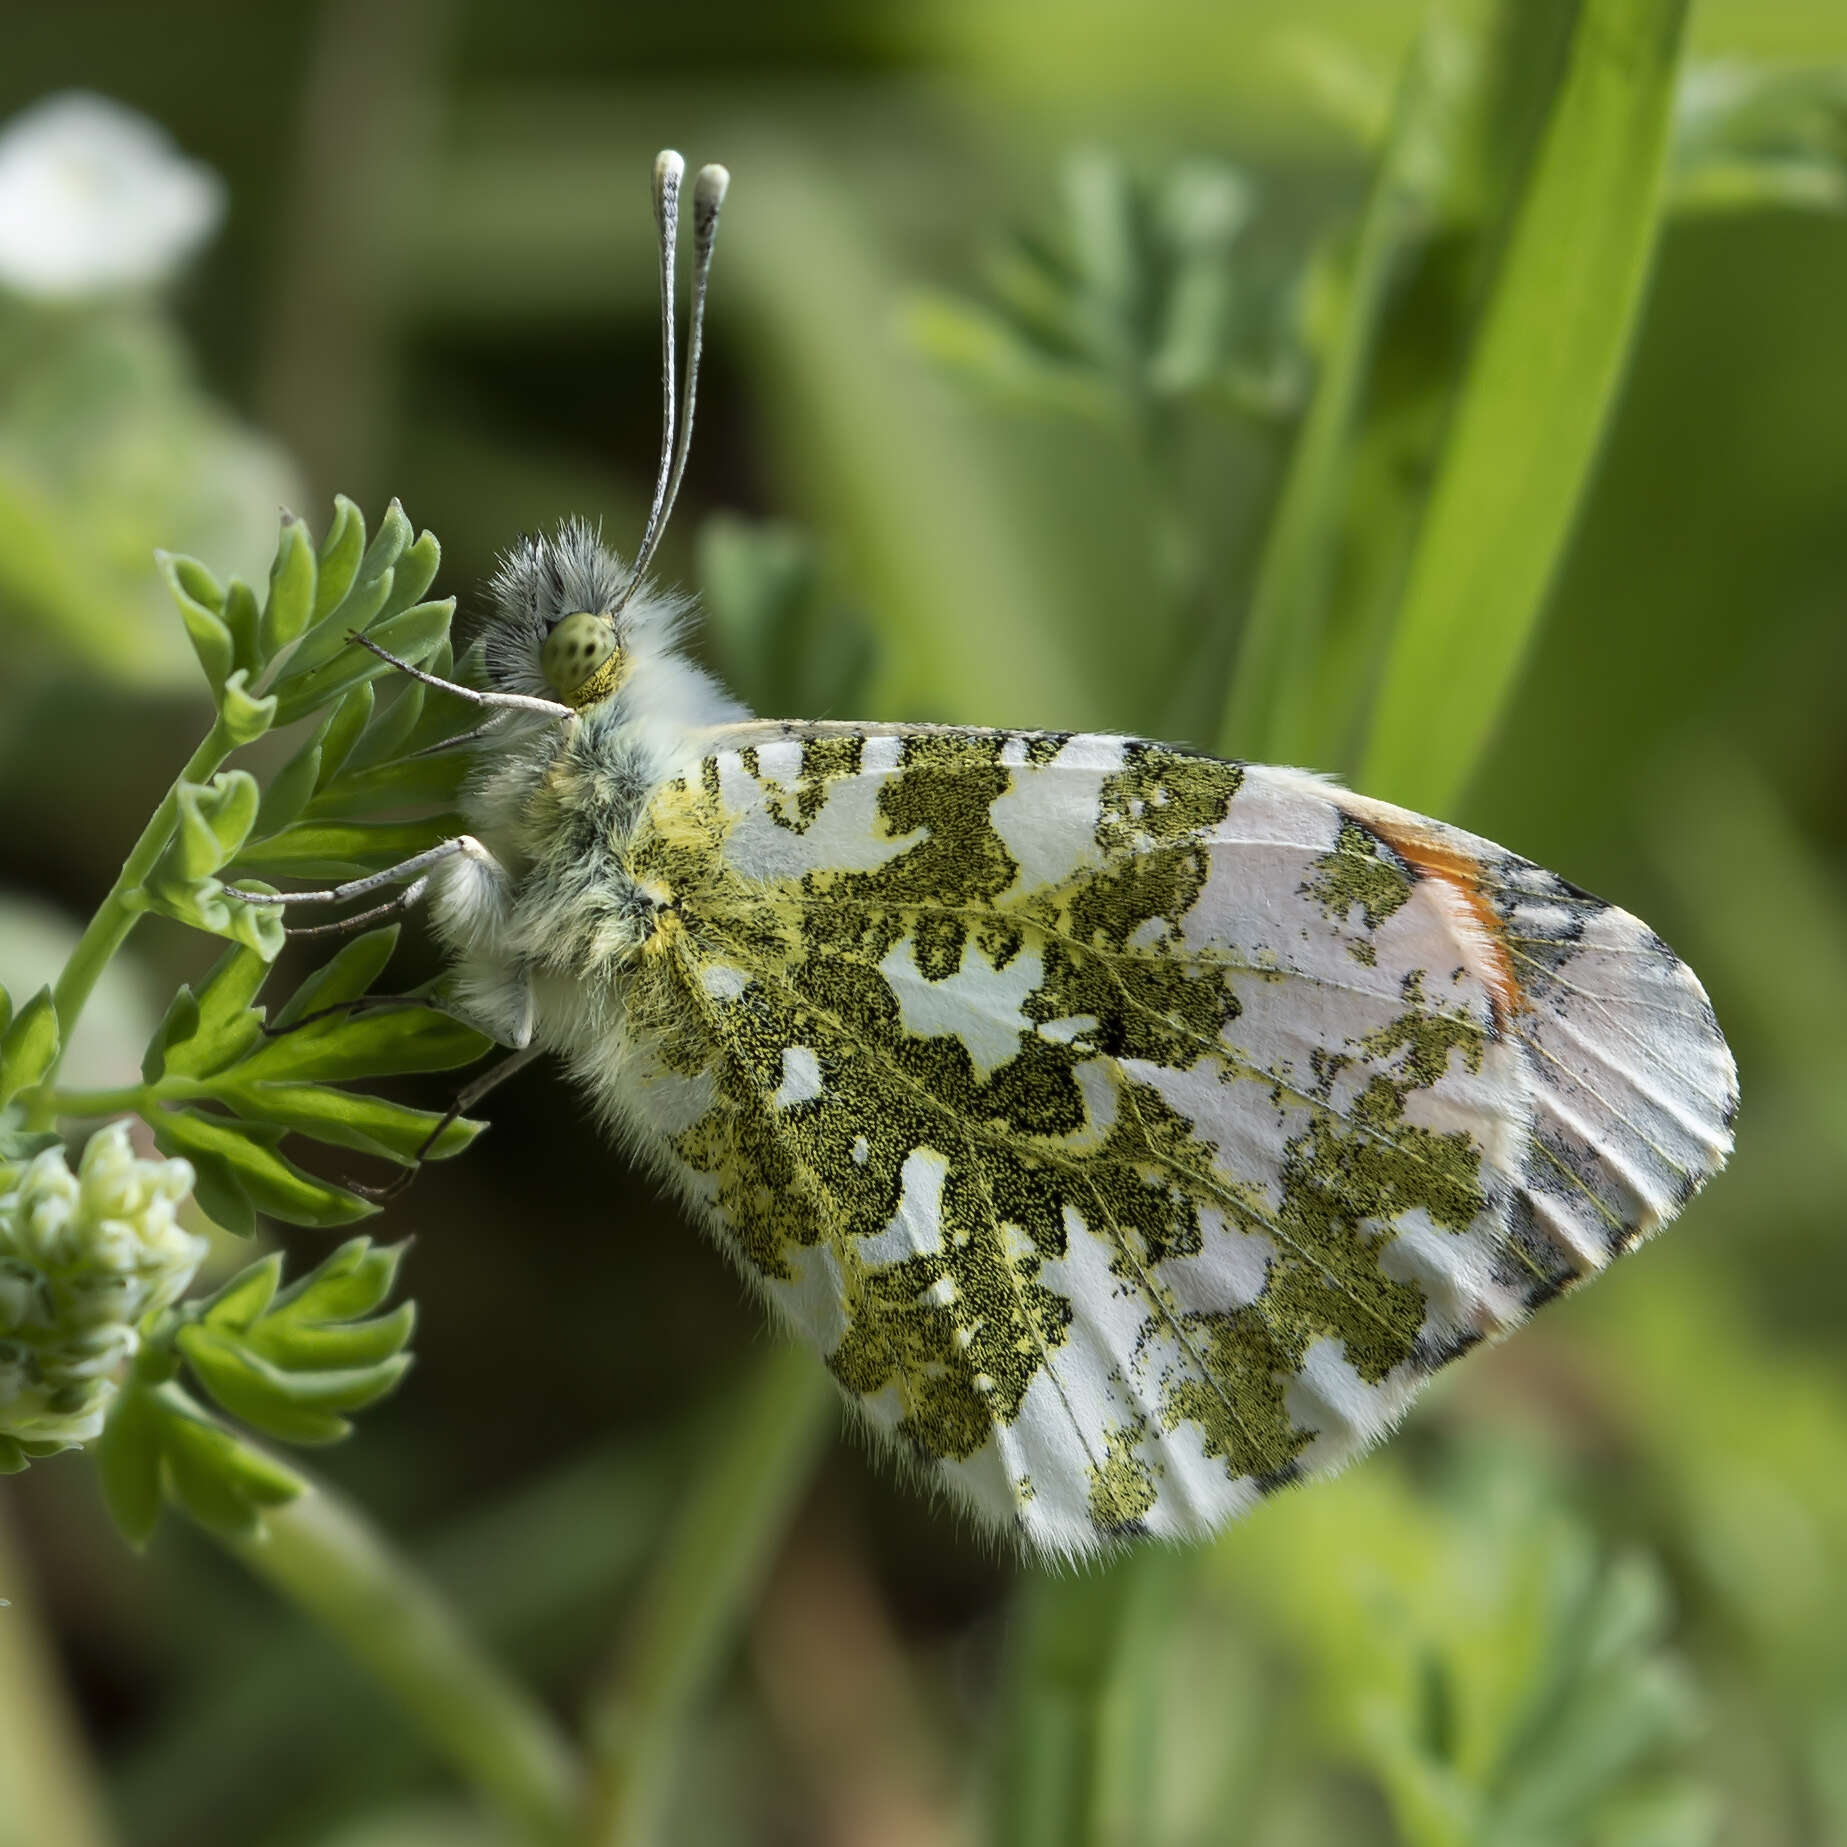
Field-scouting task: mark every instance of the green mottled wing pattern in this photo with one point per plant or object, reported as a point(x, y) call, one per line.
point(1131, 1131)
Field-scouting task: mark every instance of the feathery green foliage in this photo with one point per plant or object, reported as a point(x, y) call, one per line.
point(222, 1088)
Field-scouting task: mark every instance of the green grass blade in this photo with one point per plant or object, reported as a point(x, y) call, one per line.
point(1281, 633)
point(1545, 372)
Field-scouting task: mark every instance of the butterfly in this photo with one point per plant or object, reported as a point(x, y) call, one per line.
point(1131, 1132)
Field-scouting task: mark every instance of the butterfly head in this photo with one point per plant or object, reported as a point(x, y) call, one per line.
point(563, 624)
point(581, 659)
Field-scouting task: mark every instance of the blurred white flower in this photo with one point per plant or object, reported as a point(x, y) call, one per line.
point(94, 197)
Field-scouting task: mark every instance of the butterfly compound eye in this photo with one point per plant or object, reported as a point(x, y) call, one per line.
point(580, 659)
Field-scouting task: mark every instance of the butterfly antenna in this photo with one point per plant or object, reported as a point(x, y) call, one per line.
point(708, 196)
point(669, 170)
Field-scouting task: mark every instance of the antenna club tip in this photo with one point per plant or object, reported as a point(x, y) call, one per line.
point(711, 185)
point(669, 170)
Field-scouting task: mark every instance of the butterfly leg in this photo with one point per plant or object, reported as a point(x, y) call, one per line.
point(406, 900)
point(465, 1100)
point(376, 881)
point(484, 878)
point(484, 730)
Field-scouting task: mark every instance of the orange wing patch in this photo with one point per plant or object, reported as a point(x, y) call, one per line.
point(1461, 874)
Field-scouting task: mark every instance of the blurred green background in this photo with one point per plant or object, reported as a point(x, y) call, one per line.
point(1597, 1590)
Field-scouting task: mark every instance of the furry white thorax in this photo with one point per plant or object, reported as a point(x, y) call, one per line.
point(540, 897)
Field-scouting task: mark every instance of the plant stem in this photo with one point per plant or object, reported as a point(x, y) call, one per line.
point(217, 1758)
point(115, 916)
point(709, 1567)
point(87, 1105)
point(321, 1554)
point(47, 1789)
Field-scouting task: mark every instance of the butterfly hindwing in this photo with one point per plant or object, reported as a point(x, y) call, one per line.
point(1134, 1131)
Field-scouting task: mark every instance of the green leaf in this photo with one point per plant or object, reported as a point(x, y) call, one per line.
point(341, 552)
point(294, 1363)
point(214, 820)
point(299, 1408)
point(291, 587)
point(1503, 1681)
point(394, 533)
point(388, 734)
point(289, 792)
point(223, 1484)
point(226, 1027)
point(1043, 301)
point(1203, 209)
point(177, 1025)
point(1541, 382)
point(405, 783)
point(349, 720)
point(238, 1302)
point(335, 1345)
point(244, 716)
point(1100, 223)
point(244, 619)
point(194, 580)
point(19, 1144)
point(347, 1283)
point(351, 1119)
point(128, 1462)
point(219, 1191)
point(342, 977)
point(207, 904)
point(321, 645)
point(755, 576)
point(205, 628)
point(160, 1444)
point(413, 574)
point(446, 717)
point(411, 635)
point(780, 644)
point(271, 1183)
point(320, 1390)
point(29, 1046)
point(1755, 137)
point(378, 590)
point(386, 1042)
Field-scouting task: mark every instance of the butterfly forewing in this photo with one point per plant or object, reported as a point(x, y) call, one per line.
point(1134, 1131)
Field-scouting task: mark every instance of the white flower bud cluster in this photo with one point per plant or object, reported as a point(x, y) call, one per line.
point(84, 1257)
